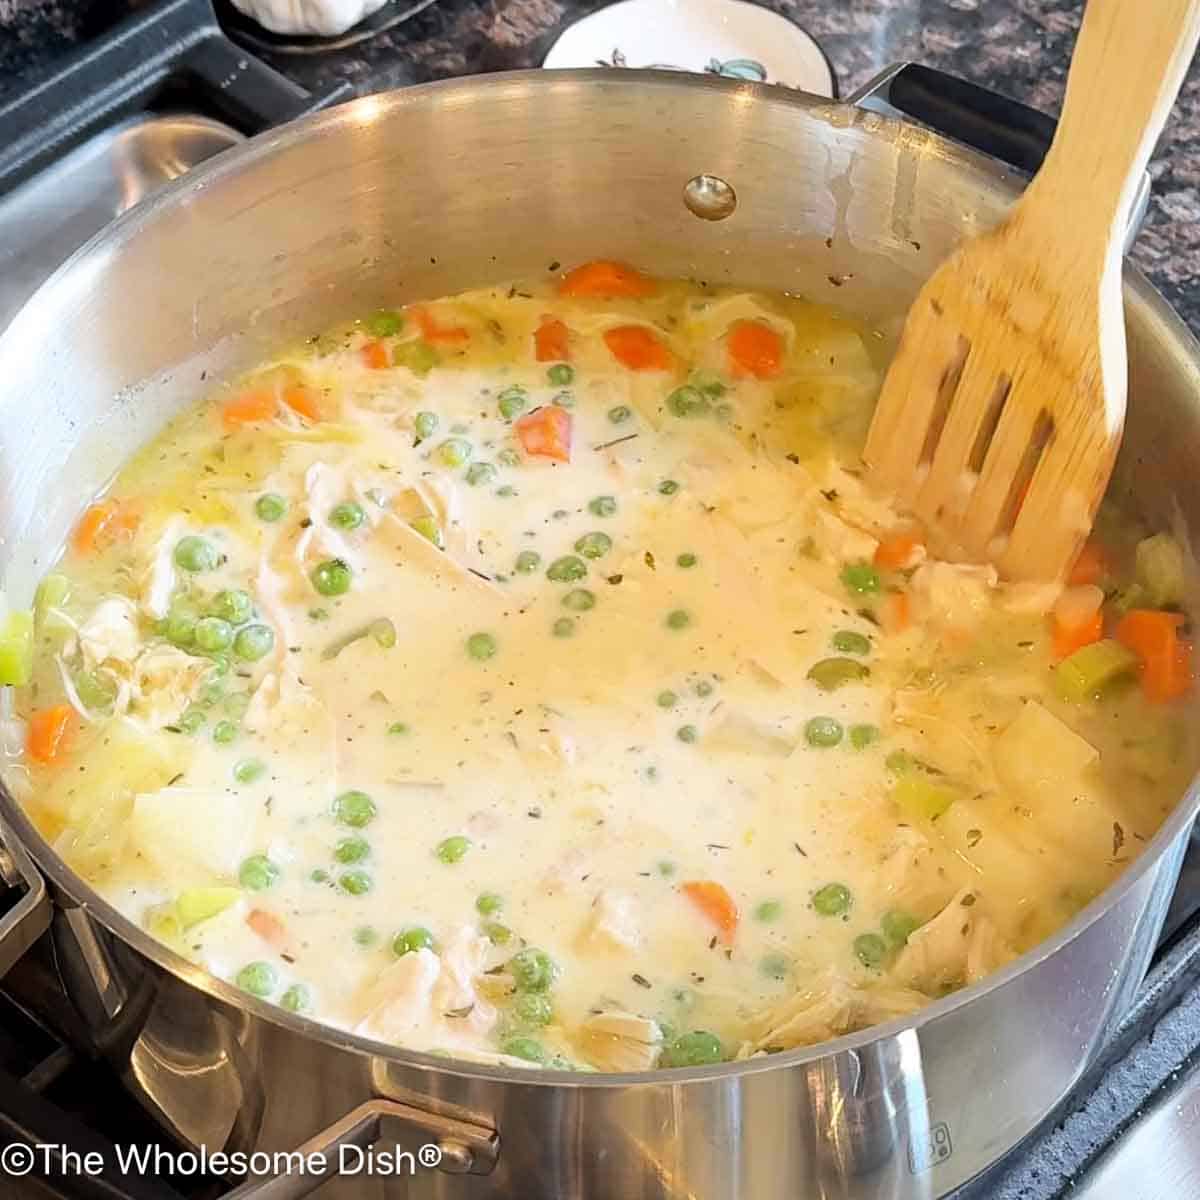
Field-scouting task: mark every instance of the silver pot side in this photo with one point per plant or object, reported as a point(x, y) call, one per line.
point(433, 189)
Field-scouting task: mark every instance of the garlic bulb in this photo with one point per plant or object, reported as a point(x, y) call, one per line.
point(321, 17)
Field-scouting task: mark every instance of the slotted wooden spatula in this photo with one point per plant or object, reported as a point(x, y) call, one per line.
point(1001, 414)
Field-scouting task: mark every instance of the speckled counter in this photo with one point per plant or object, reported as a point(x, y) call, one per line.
point(1018, 47)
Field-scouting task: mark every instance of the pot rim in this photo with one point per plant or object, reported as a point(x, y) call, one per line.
point(368, 109)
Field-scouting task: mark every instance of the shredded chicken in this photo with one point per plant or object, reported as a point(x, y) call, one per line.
point(158, 580)
point(619, 1041)
point(109, 634)
point(954, 595)
point(957, 946)
point(911, 879)
point(612, 923)
point(164, 682)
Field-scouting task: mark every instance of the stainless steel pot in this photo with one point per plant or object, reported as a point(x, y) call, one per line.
point(420, 193)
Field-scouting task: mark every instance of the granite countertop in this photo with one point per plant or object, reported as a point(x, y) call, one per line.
point(1017, 47)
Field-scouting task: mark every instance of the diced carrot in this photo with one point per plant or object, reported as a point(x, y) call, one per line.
point(715, 902)
point(895, 613)
point(258, 404)
point(1091, 566)
point(550, 341)
point(546, 433)
point(302, 400)
point(635, 347)
point(897, 551)
point(48, 732)
point(432, 332)
point(1077, 619)
point(606, 280)
point(267, 925)
point(104, 523)
point(754, 349)
point(375, 355)
point(1166, 660)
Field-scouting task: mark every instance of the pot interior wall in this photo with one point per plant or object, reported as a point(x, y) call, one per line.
point(431, 190)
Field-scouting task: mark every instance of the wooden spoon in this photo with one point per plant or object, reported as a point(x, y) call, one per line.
point(1001, 415)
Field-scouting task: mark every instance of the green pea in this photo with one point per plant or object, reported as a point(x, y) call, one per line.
point(699, 1048)
point(870, 949)
point(530, 1049)
point(354, 808)
point(233, 605)
point(97, 692)
point(775, 966)
point(822, 732)
point(347, 515)
point(249, 769)
point(488, 903)
point(180, 629)
point(270, 506)
point(296, 999)
point(319, 875)
point(768, 910)
point(688, 401)
point(666, 699)
point(512, 401)
point(253, 642)
point(861, 578)
point(418, 356)
point(480, 473)
point(687, 733)
point(415, 937)
point(192, 719)
point(686, 560)
point(832, 900)
point(862, 736)
point(452, 849)
point(224, 732)
point(847, 641)
point(496, 933)
point(709, 383)
point(481, 646)
point(561, 374)
point(567, 569)
point(620, 414)
point(668, 487)
point(564, 627)
point(533, 1009)
point(236, 704)
point(397, 727)
point(257, 873)
point(385, 322)
point(355, 883)
point(678, 618)
point(196, 554)
point(454, 452)
point(350, 850)
point(532, 970)
point(425, 425)
point(212, 633)
point(831, 673)
point(332, 577)
point(527, 562)
point(603, 506)
point(579, 600)
point(594, 545)
point(898, 926)
point(257, 978)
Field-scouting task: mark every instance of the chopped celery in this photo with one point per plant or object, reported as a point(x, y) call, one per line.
point(1160, 569)
point(920, 796)
point(1129, 597)
point(52, 592)
point(428, 528)
point(163, 921)
point(199, 904)
point(16, 648)
point(1092, 668)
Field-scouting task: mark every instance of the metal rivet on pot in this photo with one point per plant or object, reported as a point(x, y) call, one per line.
point(709, 197)
point(457, 1158)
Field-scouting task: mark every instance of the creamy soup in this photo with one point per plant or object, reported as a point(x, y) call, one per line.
point(528, 676)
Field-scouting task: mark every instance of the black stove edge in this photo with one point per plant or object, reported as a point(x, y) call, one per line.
point(53, 110)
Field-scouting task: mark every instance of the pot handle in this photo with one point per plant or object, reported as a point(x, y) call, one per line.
point(451, 1145)
point(984, 120)
point(29, 917)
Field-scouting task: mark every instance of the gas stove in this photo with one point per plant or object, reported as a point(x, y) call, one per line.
point(137, 106)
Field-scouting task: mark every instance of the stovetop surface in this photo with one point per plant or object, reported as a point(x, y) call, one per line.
point(1130, 1131)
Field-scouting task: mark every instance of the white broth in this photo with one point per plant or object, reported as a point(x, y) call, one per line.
point(528, 676)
